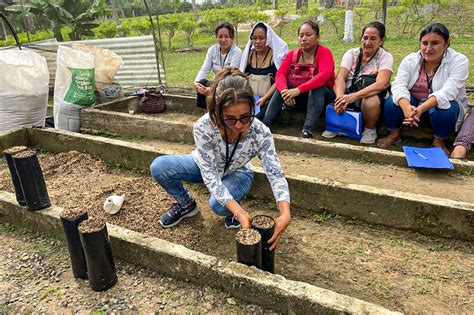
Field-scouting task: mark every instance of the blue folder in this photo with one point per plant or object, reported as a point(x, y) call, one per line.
point(348, 123)
point(427, 158)
point(257, 107)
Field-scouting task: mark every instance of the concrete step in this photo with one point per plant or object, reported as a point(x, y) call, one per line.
point(358, 189)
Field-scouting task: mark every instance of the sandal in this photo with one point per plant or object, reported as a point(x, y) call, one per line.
point(388, 141)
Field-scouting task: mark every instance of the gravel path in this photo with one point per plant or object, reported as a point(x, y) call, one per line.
point(35, 277)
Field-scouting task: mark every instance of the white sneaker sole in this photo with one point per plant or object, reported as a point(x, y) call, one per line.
point(190, 214)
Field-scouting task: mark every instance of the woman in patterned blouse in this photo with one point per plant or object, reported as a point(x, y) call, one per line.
point(227, 138)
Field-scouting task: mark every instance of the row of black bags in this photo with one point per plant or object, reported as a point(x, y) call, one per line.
point(87, 240)
point(89, 249)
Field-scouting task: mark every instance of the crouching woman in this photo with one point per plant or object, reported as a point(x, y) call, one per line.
point(227, 138)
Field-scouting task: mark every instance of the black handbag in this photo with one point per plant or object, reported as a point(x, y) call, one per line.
point(362, 81)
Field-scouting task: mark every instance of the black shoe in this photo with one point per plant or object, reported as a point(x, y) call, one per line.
point(306, 134)
point(176, 213)
point(231, 223)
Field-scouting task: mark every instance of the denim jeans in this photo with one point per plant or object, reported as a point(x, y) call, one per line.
point(443, 121)
point(466, 134)
point(170, 170)
point(313, 102)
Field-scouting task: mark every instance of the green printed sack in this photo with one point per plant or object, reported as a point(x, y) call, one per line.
point(74, 87)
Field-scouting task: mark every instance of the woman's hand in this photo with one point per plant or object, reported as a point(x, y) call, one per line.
point(281, 223)
point(289, 96)
point(261, 101)
point(244, 219)
point(201, 89)
point(341, 102)
point(414, 117)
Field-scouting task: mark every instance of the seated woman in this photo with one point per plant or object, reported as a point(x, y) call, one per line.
point(223, 54)
point(305, 79)
point(429, 83)
point(261, 59)
point(227, 139)
point(363, 78)
point(465, 139)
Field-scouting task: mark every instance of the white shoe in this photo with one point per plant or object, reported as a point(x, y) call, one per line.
point(368, 136)
point(328, 134)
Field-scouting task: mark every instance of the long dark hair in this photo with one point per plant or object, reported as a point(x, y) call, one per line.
point(437, 28)
point(230, 86)
point(226, 25)
point(378, 26)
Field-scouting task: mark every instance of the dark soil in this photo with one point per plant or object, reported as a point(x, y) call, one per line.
point(24, 154)
point(71, 215)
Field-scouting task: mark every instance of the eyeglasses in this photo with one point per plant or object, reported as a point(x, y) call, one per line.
point(243, 120)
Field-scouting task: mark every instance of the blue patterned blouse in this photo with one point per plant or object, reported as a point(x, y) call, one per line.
point(210, 157)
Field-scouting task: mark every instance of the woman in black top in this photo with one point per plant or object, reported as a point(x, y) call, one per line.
point(260, 61)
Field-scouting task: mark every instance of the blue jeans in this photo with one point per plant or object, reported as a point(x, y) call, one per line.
point(443, 121)
point(170, 170)
point(314, 102)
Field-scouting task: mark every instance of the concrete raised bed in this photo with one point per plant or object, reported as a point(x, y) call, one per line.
point(428, 215)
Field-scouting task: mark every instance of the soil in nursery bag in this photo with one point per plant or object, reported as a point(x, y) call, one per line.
point(8, 154)
point(400, 270)
point(265, 226)
point(100, 261)
point(249, 247)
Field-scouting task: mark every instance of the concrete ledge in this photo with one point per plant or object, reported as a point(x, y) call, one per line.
point(161, 128)
point(428, 215)
point(248, 284)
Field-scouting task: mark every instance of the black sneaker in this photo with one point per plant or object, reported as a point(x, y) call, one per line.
point(176, 213)
point(231, 223)
point(306, 134)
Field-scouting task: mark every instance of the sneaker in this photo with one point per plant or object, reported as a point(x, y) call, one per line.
point(368, 136)
point(231, 223)
point(176, 213)
point(328, 134)
point(306, 134)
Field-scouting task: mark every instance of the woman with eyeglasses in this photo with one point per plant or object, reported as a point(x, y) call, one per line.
point(223, 54)
point(227, 138)
point(261, 59)
point(430, 84)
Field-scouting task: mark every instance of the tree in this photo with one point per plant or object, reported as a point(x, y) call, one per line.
point(283, 19)
point(169, 26)
point(349, 22)
point(78, 15)
point(188, 26)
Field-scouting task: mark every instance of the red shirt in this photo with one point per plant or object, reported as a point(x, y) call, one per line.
point(325, 76)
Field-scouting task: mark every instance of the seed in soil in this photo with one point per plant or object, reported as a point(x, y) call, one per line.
point(91, 226)
point(15, 150)
point(248, 237)
point(70, 214)
point(262, 222)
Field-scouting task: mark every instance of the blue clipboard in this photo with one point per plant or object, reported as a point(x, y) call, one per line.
point(348, 123)
point(427, 158)
point(257, 107)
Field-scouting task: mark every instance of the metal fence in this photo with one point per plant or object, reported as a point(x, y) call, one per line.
point(139, 62)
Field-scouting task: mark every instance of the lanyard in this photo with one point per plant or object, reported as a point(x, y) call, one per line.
point(220, 57)
point(428, 80)
point(263, 61)
point(228, 160)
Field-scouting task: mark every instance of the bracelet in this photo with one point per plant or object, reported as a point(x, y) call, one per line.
point(235, 214)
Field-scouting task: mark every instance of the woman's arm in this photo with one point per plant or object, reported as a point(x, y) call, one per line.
point(457, 76)
point(405, 72)
point(207, 65)
point(235, 57)
point(340, 83)
point(267, 95)
point(283, 72)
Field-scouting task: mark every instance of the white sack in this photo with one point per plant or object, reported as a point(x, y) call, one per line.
point(24, 80)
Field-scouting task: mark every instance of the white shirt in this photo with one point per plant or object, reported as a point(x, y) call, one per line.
point(448, 83)
point(210, 156)
point(215, 61)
